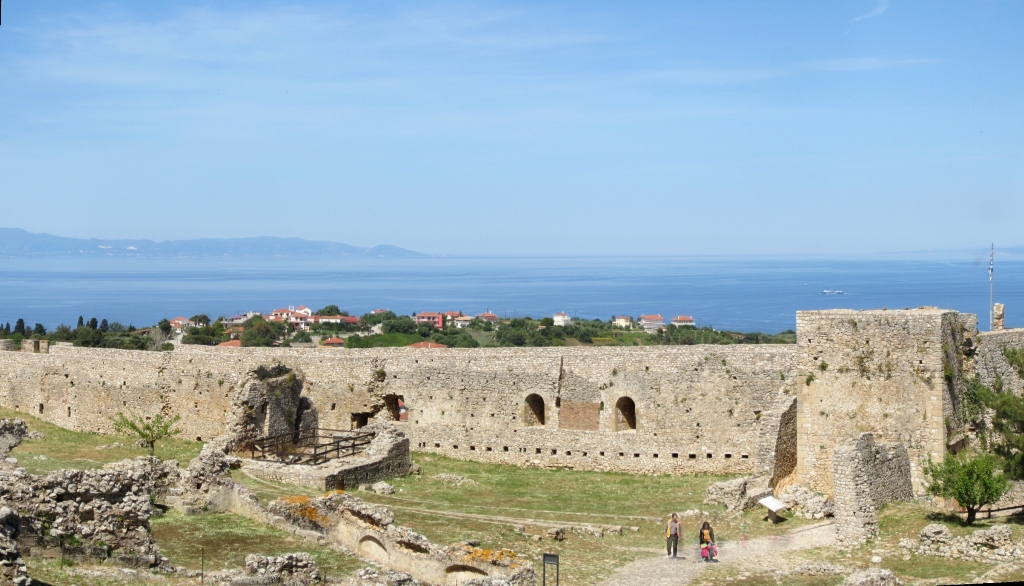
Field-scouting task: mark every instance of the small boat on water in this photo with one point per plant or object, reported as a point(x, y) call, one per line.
point(832, 292)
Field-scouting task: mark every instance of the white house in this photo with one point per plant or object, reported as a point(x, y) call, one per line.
point(562, 319)
point(623, 321)
point(651, 322)
point(462, 321)
point(682, 320)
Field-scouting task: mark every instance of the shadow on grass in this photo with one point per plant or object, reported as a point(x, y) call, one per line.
point(948, 519)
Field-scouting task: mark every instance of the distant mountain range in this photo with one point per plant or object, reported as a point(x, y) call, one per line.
point(18, 243)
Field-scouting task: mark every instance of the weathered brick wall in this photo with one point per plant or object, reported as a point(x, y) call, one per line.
point(697, 408)
point(878, 371)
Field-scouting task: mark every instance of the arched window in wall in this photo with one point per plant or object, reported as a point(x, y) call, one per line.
point(533, 410)
point(625, 414)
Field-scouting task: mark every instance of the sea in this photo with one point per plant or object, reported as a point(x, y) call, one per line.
point(748, 295)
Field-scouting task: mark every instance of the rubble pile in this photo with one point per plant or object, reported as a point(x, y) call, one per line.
point(12, 431)
point(806, 502)
point(739, 494)
point(290, 569)
point(106, 509)
point(984, 545)
point(12, 566)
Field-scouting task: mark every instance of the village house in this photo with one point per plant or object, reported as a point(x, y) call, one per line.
point(430, 317)
point(463, 321)
point(487, 316)
point(237, 320)
point(180, 323)
point(449, 316)
point(623, 321)
point(333, 343)
point(682, 320)
point(562, 319)
point(651, 322)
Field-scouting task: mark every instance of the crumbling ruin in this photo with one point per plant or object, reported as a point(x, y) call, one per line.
point(369, 531)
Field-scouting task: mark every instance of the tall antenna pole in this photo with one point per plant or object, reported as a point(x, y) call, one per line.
point(991, 263)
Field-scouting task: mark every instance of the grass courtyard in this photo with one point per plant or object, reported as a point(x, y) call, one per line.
point(488, 504)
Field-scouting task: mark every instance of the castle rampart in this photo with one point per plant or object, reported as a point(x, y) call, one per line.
point(775, 410)
point(656, 409)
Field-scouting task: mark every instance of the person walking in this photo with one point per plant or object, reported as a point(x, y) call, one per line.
point(672, 531)
point(706, 537)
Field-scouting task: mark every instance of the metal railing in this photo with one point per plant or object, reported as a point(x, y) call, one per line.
point(312, 446)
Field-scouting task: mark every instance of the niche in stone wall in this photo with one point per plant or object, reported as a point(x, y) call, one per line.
point(533, 410)
point(576, 415)
point(360, 419)
point(396, 408)
point(625, 414)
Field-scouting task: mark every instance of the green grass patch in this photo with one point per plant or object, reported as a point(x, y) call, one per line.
point(225, 539)
point(64, 448)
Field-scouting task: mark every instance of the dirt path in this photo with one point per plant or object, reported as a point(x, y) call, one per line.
point(754, 554)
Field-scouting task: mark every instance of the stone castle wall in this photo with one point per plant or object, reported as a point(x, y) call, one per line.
point(867, 476)
point(898, 374)
point(665, 409)
point(695, 408)
point(991, 363)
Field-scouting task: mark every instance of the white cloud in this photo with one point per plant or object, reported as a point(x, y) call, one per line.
point(881, 7)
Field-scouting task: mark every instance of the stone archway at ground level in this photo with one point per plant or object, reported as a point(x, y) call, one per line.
point(459, 574)
point(625, 414)
point(372, 549)
point(533, 410)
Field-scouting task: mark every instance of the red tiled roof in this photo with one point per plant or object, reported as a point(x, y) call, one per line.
point(427, 345)
point(682, 318)
point(651, 317)
point(332, 341)
point(561, 314)
point(427, 314)
point(231, 344)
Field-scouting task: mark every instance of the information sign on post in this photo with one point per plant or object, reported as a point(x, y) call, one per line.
point(550, 559)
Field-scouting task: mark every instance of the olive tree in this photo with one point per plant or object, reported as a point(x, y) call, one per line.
point(972, 480)
point(150, 432)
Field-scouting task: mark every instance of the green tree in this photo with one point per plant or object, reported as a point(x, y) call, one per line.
point(200, 320)
point(1007, 424)
point(39, 330)
point(401, 325)
point(81, 322)
point(19, 327)
point(329, 310)
point(104, 326)
point(372, 319)
point(260, 332)
point(165, 327)
point(972, 481)
point(455, 338)
point(149, 432)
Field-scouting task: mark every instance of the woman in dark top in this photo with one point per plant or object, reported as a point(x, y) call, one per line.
point(706, 537)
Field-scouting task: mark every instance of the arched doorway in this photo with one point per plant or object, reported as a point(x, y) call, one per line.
point(625, 414)
point(533, 410)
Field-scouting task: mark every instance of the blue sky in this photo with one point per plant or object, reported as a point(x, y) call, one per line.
point(669, 128)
